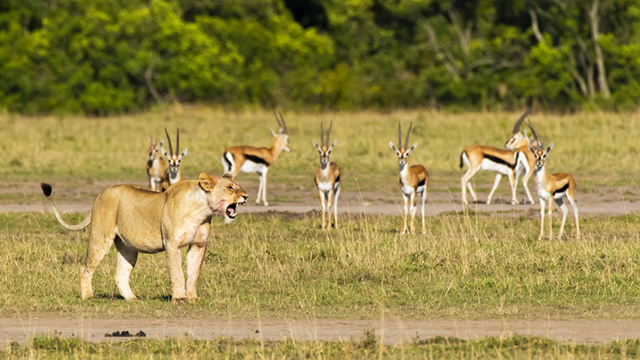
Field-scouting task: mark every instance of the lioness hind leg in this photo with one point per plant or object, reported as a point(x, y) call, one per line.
point(127, 258)
point(97, 249)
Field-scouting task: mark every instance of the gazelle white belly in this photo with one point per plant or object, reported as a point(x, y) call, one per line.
point(487, 164)
point(250, 167)
point(325, 186)
point(407, 190)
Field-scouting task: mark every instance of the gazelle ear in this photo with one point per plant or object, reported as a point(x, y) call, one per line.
point(413, 147)
point(164, 152)
point(184, 153)
point(273, 132)
point(316, 145)
point(162, 142)
point(335, 141)
point(550, 147)
point(206, 182)
point(393, 147)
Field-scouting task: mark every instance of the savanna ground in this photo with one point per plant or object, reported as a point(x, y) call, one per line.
point(480, 267)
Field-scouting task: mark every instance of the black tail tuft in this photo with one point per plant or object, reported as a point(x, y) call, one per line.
point(46, 189)
point(461, 164)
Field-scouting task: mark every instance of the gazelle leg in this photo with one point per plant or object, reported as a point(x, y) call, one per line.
point(264, 188)
point(324, 205)
point(406, 212)
point(465, 183)
point(565, 210)
point(412, 201)
point(512, 182)
point(424, 198)
point(329, 203)
point(496, 182)
point(259, 188)
point(541, 218)
point(575, 212)
point(551, 217)
point(525, 183)
point(335, 205)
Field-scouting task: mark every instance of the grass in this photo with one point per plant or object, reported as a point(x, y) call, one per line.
point(600, 149)
point(467, 267)
point(368, 346)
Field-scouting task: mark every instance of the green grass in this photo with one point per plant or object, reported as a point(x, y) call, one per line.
point(467, 267)
point(598, 148)
point(368, 346)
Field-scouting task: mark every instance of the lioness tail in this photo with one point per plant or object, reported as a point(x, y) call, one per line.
point(47, 190)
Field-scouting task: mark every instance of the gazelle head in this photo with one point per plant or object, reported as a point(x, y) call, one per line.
point(403, 152)
point(174, 159)
point(541, 154)
point(154, 149)
point(518, 138)
point(324, 149)
point(282, 137)
point(538, 149)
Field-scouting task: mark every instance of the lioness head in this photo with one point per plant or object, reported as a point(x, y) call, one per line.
point(224, 194)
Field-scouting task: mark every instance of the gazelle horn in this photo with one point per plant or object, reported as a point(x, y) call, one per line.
point(406, 143)
point(169, 140)
point(516, 127)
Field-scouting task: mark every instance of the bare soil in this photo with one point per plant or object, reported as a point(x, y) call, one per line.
point(392, 331)
point(609, 201)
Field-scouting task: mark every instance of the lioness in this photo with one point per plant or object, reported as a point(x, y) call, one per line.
point(138, 220)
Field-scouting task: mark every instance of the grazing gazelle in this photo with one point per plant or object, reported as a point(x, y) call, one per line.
point(553, 187)
point(249, 159)
point(327, 178)
point(174, 161)
point(414, 180)
point(156, 166)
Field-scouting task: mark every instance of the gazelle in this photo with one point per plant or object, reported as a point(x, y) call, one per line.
point(327, 178)
point(519, 141)
point(249, 159)
point(414, 180)
point(156, 166)
point(553, 187)
point(510, 162)
point(174, 160)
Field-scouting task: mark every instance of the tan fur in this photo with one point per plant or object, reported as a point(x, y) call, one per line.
point(266, 156)
point(156, 166)
point(551, 188)
point(138, 220)
point(412, 180)
point(327, 180)
point(473, 156)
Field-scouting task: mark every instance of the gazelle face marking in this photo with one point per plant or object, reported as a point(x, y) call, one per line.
point(403, 153)
point(541, 155)
point(174, 159)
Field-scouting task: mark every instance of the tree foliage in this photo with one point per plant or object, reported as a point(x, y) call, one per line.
point(111, 56)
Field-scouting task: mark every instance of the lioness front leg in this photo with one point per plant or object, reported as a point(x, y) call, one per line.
point(175, 272)
point(195, 258)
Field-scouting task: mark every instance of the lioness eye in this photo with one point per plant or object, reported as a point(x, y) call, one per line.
point(230, 187)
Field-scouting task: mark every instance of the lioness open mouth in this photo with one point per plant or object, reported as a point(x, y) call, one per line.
point(231, 210)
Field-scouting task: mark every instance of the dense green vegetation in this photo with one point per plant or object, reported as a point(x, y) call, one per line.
point(114, 56)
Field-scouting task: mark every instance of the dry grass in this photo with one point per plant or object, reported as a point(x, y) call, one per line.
point(467, 266)
point(600, 149)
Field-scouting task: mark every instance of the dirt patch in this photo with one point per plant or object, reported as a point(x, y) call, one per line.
point(610, 201)
point(392, 331)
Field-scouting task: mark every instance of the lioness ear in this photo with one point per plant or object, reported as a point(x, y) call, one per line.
point(228, 176)
point(206, 182)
